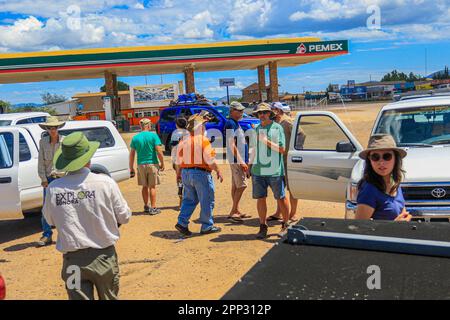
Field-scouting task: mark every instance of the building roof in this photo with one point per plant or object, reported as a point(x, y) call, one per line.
point(135, 61)
point(254, 86)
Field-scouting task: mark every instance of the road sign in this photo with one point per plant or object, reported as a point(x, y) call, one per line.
point(227, 82)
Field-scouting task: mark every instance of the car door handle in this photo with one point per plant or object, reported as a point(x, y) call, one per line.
point(6, 180)
point(297, 159)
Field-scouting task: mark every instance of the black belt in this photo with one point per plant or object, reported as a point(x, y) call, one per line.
point(197, 168)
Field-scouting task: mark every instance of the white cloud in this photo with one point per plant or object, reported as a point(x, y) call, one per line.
point(197, 27)
point(249, 14)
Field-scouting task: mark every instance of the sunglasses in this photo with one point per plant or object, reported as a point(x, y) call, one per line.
point(375, 157)
point(262, 112)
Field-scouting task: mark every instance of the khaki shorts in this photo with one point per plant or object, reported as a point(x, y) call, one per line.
point(148, 175)
point(238, 176)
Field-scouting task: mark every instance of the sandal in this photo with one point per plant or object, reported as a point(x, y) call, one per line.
point(235, 218)
point(273, 218)
point(244, 215)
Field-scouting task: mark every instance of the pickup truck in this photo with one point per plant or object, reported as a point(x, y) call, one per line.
point(20, 185)
point(166, 124)
point(12, 119)
point(326, 167)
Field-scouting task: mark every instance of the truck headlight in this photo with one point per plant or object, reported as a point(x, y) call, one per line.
point(353, 192)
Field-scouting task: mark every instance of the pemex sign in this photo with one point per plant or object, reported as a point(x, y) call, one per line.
point(322, 47)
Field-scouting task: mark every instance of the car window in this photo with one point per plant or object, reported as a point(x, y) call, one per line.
point(24, 150)
point(6, 150)
point(39, 119)
point(5, 123)
point(24, 121)
point(101, 134)
point(185, 112)
point(425, 125)
point(169, 115)
point(318, 132)
point(214, 118)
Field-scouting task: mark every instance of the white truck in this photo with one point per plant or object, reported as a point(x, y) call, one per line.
point(326, 167)
point(12, 119)
point(20, 185)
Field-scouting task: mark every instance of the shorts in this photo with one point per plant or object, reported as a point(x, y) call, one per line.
point(238, 176)
point(260, 185)
point(148, 175)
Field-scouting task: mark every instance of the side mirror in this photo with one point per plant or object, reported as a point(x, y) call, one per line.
point(345, 146)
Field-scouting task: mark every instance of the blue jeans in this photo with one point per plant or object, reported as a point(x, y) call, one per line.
point(198, 187)
point(46, 228)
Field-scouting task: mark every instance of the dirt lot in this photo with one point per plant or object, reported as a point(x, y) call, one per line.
point(155, 263)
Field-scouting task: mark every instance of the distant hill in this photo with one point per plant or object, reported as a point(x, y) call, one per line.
point(31, 104)
point(224, 99)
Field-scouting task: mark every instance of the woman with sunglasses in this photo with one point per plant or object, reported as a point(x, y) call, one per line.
point(380, 196)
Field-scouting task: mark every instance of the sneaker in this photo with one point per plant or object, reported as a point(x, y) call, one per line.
point(213, 229)
point(154, 211)
point(146, 209)
point(183, 230)
point(262, 234)
point(283, 231)
point(44, 241)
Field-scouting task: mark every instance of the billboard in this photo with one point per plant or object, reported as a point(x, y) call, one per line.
point(158, 95)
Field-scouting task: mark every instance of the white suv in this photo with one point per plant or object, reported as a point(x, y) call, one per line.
point(12, 119)
point(20, 185)
point(327, 167)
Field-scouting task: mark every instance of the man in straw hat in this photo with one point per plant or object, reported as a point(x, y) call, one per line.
point(268, 168)
point(195, 162)
point(150, 160)
point(87, 210)
point(46, 170)
point(286, 122)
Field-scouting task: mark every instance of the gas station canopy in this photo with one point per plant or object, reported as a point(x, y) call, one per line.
point(135, 61)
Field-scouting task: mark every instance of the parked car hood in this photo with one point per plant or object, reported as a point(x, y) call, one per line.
point(421, 165)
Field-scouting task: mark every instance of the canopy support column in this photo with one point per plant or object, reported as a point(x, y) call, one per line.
point(261, 82)
point(273, 74)
point(189, 80)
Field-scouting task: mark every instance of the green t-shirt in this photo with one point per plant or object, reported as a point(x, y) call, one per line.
point(269, 163)
point(145, 145)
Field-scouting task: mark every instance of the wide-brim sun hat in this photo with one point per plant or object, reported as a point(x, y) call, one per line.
point(52, 122)
point(75, 152)
point(263, 107)
point(195, 121)
point(277, 105)
point(382, 142)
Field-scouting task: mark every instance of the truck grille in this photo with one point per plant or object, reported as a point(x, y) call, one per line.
point(426, 193)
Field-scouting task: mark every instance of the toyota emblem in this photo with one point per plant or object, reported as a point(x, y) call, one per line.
point(438, 193)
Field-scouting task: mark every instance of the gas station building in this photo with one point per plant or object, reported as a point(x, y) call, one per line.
point(110, 63)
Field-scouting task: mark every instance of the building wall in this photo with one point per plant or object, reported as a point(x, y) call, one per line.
point(95, 103)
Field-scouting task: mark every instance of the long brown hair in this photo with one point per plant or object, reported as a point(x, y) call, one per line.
point(375, 179)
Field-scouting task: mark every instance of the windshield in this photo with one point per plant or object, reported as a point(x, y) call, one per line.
point(417, 126)
point(4, 123)
point(225, 111)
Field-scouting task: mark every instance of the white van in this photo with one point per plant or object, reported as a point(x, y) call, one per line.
point(20, 185)
point(12, 119)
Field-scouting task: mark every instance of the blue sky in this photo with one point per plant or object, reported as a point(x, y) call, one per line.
point(406, 29)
